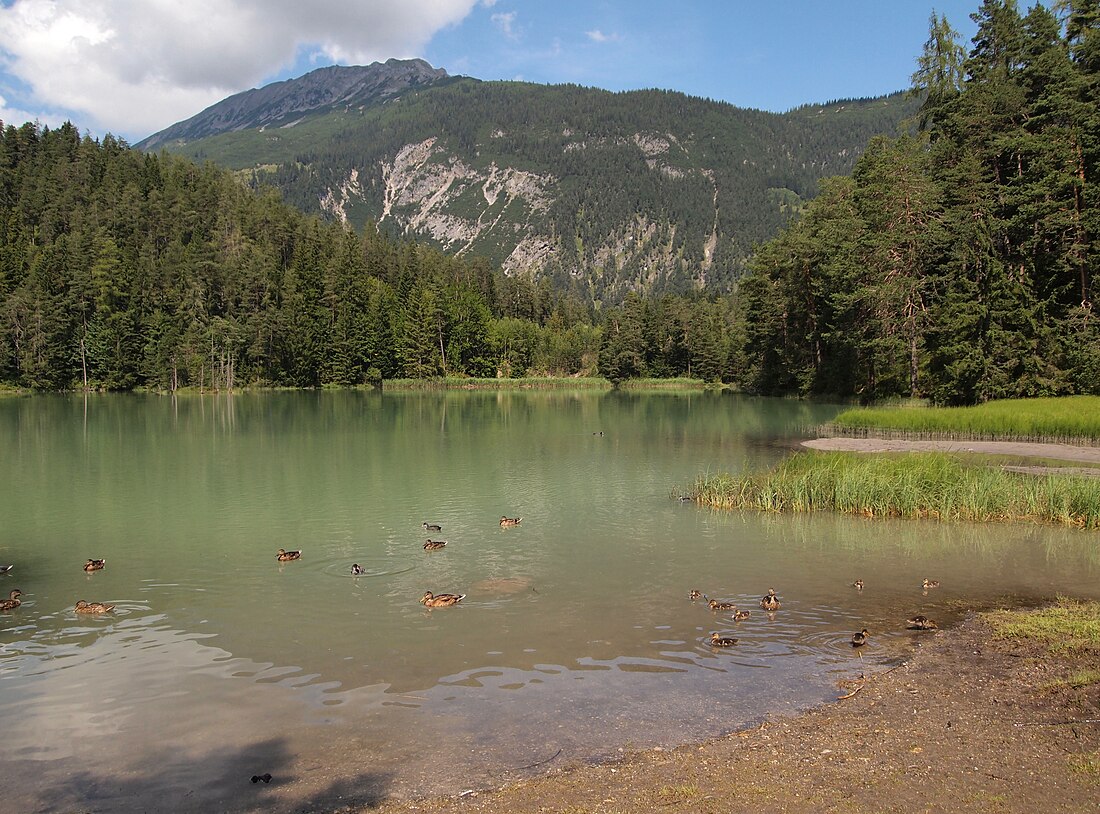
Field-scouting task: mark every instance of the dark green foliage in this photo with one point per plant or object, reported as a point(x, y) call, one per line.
point(959, 265)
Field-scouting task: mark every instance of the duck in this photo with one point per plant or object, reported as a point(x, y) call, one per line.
point(432, 527)
point(770, 602)
point(860, 639)
point(741, 616)
point(357, 569)
point(94, 565)
point(12, 602)
point(432, 545)
point(509, 521)
point(930, 583)
point(721, 641)
point(92, 607)
point(5, 568)
point(440, 600)
point(287, 556)
point(717, 605)
point(858, 584)
point(265, 777)
point(694, 595)
point(921, 623)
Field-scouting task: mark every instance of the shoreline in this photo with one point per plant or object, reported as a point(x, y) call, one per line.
point(969, 721)
point(1062, 452)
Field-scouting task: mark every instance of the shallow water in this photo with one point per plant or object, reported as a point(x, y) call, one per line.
point(577, 637)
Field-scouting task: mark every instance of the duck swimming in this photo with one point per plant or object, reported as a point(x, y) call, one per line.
point(858, 584)
point(5, 568)
point(921, 623)
point(860, 639)
point(432, 527)
point(94, 565)
point(92, 607)
point(432, 545)
point(357, 569)
point(12, 602)
point(930, 583)
point(721, 641)
point(741, 616)
point(441, 600)
point(770, 602)
point(716, 605)
point(287, 556)
point(694, 595)
point(509, 521)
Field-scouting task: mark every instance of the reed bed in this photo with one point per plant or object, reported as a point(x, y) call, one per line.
point(525, 383)
point(914, 485)
point(1072, 419)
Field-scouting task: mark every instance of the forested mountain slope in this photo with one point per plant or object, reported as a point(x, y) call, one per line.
point(602, 193)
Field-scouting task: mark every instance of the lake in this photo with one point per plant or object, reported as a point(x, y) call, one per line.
point(576, 640)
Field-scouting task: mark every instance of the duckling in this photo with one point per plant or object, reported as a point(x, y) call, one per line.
point(721, 641)
point(921, 623)
point(509, 521)
point(741, 616)
point(858, 584)
point(432, 545)
point(432, 527)
point(265, 777)
point(5, 568)
point(770, 602)
point(92, 607)
point(287, 556)
point(441, 600)
point(860, 639)
point(694, 595)
point(94, 565)
point(716, 605)
point(930, 583)
point(12, 602)
point(357, 569)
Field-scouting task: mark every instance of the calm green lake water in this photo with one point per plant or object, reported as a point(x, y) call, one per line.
point(577, 637)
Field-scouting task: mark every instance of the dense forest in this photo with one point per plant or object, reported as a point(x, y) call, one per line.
point(959, 263)
point(956, 263)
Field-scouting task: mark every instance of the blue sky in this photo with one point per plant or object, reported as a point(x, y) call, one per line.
point(132, 67)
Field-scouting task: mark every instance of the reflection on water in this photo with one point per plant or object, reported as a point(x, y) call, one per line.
point(577, 635)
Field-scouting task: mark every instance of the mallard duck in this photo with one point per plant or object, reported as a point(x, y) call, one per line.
point(858, 584)
point(432, 527)
point(357, 569)
point(287, 556)
point(921, 623)
point(770, 602)
point(92, 607)
point(716, 605)
point(860, 639)
point(694, 595)
point(94, 565)
point(432, 545)
point(721, 641)
point(12, 602)
point(441, 600)
point(741, 616)
point(509, 521)
point(5, 568)
point(930, 583)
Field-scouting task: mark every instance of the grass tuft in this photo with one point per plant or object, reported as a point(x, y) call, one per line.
point(1068, 625)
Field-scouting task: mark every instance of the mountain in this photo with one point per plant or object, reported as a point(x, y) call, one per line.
point(602, 193)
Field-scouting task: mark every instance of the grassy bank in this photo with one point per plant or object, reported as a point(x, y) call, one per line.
point(527, 383)
point(1067, 626)
point(916, 485)
point(682, 383)
point(1073, 419)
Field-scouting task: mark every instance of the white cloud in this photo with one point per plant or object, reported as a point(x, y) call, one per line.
point(598, 36)
point(505, 21)
point(136, 66)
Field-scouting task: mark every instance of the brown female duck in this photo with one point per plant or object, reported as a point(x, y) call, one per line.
point(770, 602)
point(505, 522)
point(431, 600)
point(12, 602)
point(287, 556)
point(432, 545)
point(721, 641)
point(930, 583)
point(92, 607)
point(94, 565)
